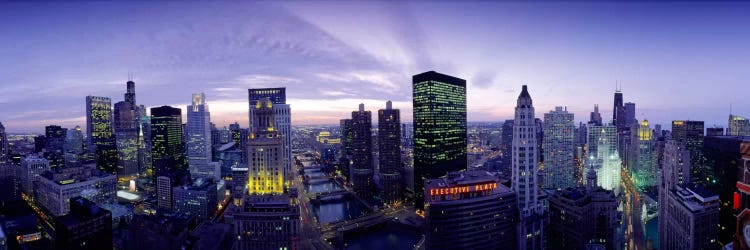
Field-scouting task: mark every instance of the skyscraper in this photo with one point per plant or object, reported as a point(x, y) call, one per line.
point(100, 136)
point(362, 169)
point(73, 147)
point(525, 184)
point(283, 113)
point(3, 145)
point(166, 136)
point(53, 145)
point(346, 147)
point(439, 103)
point(559, 149)
point(690, 133)
point(126, 136)
point(646, 171)
point(389, 147)
point(619, 116)
point(199, 140)
point(596, 117)
point(630, 114)
point(264, 151)
point(738, 126)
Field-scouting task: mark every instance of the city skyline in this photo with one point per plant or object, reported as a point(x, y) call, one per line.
point(661, 54)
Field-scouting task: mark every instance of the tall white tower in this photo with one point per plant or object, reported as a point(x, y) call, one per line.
point(524, 158)
point(199, 140)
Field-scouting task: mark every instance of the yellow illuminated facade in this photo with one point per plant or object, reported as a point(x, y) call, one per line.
point(264, 152)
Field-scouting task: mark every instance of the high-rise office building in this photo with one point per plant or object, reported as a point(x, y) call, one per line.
point(558, 149)
point(619, 114)
point(283, 115)
point(506, 144)
point(389, 153)
point(524, 179)
point(738, 126)
point(346, 147)
point(87, 226)
point(100, 136)
point(646, 169)
point(32, 167)
point(630, 114)
point(73, 147)
point(362, 169)
point(691, 134)
point(167, 140)
point(4, 150)
point(126, 137)
point(475, 197)
point(199, 131)
point(199, 144)
point(264, 150)
point(53, 145)
point(439, 103)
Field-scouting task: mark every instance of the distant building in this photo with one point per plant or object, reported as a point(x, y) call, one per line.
point(583, 217)
point(32, 167)
point(199, 144)
point(198, 199)
point(456, 218)
point(53, 145)
point(4, 149)
point(73, 147)
point(54, 189)
point(738, 126)
point(525, 182)
point(87, 226)
point(506, 145)
point(559, 149)
point(439, 103)
point(596, 117)
point(389, 147)
point(283, 115)
point(715, 131)
point(347, 135)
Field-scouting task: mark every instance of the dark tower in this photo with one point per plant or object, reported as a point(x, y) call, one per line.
point(389, 148)
point(439, 103)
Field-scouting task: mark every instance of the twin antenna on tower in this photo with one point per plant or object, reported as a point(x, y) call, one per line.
point(618, 86)
point(130, 76)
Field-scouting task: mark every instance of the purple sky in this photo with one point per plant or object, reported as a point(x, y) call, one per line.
point(675, 60)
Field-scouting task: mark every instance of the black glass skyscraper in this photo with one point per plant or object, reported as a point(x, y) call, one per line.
point(100, 136)
point(439, 128)
point(167, 142)
point(53, 146)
